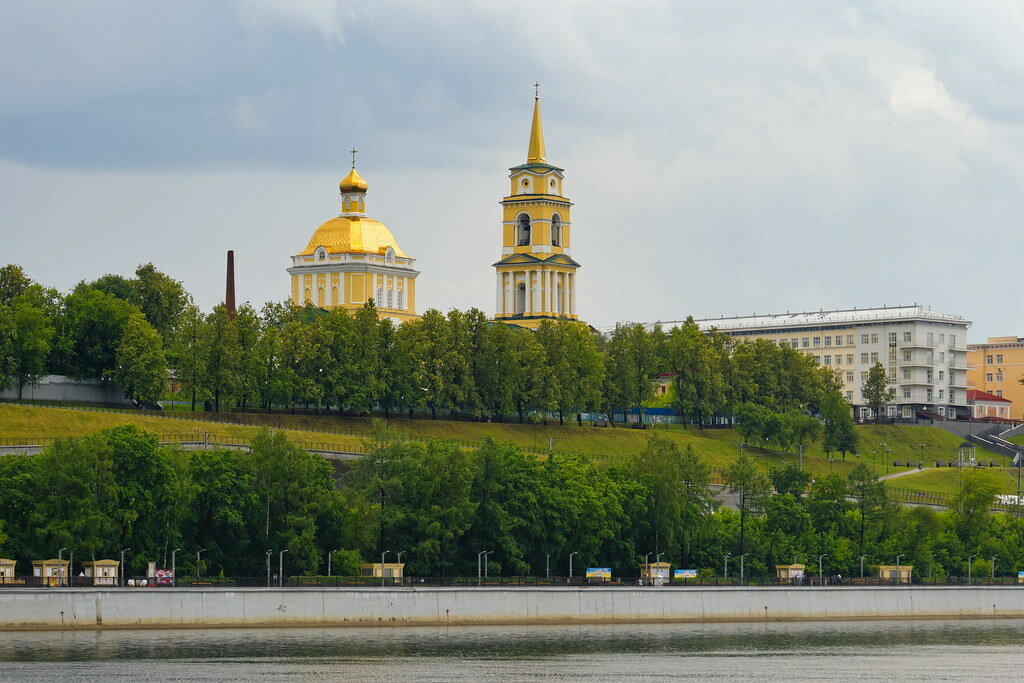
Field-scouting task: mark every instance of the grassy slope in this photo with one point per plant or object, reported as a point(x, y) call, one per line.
point(717, 447)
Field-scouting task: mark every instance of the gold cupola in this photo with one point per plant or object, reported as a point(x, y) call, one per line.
point(353, 182)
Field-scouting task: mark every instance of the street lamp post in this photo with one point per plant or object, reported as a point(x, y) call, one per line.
point(970, 561)
point(269, 553)
point(382, 556)
point(898, 575)
point(547, 566)
point(994, 558)
point(60, 566)
point(280, 568)
point(174, 565)
point(821, 572)
point(647, 567)
point(725, 565)
point(570, 565)
point(741, 567)
point(862, 566)
point(198, 572)
point(120, 572)
point(486, 555)
point(480, 567)
point(329, 554)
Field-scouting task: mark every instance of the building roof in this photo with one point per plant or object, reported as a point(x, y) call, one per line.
point(979, 395)
point(838, 317)
point(535, 153)
point(353, 234)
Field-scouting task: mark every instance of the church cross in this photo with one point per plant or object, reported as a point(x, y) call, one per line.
point(536, 90)
point(354, 150)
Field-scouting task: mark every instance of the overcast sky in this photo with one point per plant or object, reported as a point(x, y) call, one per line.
point(725, 158)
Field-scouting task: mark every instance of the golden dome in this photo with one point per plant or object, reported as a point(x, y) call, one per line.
point(353, 182)
point(356, 234)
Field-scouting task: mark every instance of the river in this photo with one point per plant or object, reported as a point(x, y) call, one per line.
point(861, 650)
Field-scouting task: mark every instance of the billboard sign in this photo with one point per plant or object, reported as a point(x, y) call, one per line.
point(686, 574)
point(599, 573)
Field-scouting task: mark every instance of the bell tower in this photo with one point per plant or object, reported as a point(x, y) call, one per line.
point(536, 276)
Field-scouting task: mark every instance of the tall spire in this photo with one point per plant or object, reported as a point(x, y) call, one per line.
point(536, 153)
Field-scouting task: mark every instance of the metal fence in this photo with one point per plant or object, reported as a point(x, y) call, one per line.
point(496, 582)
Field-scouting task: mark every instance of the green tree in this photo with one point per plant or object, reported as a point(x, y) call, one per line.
point(698, 363)
point(29, 335)
point(13, 283)
point(631, 363)
point(877, 390)
point(827, 503)
point(224, 509)
point(188, 353)
point(162, 299)
point(837, 419)
point(969, 507)
point(575, 367)
point(249, 329)
point(789, 479)
point(751, 489)
point(871, 500)
point(141, 368)
point(218, 347)
point(89, 329)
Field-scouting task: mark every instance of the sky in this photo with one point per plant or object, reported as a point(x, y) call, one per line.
point(724, 158)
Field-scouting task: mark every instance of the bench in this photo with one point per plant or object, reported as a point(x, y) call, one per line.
point(600, 423)
point(639, 425)
point(898, 463)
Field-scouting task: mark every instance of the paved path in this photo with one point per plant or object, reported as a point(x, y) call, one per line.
point(903, 474)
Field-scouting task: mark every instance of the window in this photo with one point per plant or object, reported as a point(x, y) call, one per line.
point(931, 338)
point(794, 343)
point(906, 392)
point(523, 230)
point(942, 338)
point(520, 303)
point(906, 337)
point(864, 339)
point(849, 396)
point(999, 375)
point(999, 393)
point(874, 357)
point(942, 356)
point(988, 359)
point(952, 341)
point(828, 341)
point(941, 393)
point(863, 377)
point(999, 359)
point(874, 339)
point(906, 374)
point(391, 298)
point(804, 342)
point(906, 357)
point(556, 230)
point(849, 377)
point(849, 340)
point(828, 360)
point(839, 359)
point(380, 296)
point(817, 359)
point(892, 375)
point(864, 358)
point(849, 359)
point(347, 204)
point(401, 300)
point(988, 376)
point(942, 375)
point(817, 342)
point(892, 337)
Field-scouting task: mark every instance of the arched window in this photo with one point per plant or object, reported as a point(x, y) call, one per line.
point(556, 230)
point(380, 296)
point(320, 297)
point(308, 296)
point(347, 204)
point(334, 296)
point(523, 230)
point(521, 298)
point(401, 300)
point(391, 298)
point(321, 254)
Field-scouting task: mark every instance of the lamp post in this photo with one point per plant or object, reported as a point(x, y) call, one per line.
point(198, 554)
point(486, 555)
point(647, 567)
point(898, 575)
point(329, 554)
point(269, 553)
point(547, 566)
point(970, 561)
point(382, 556)
point(862, 566)
point(821, 572)
point(570, 564)
point(120, 572)
point(725, 565)
point(60, 566)
point(174, 564)
point(480, 567)
point(741, 567)
point(994, 558)
point(280, 568)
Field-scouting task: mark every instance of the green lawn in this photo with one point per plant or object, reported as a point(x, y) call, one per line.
point(947, 480)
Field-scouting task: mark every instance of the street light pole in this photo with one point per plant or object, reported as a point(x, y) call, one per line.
point(970, 560)
point(174, 565)
point(725, 563)
point(994, 558)
point(198, 573)
point(120, 572)
point(647, 567)
point(821, 573)
point(382, 556)
point(547, 566)
point(480, 568)
point(60, 566)
point(741, 567)
point(280, 568)
point(486, 555)
point(329, 554)
point(862, 566)
point(899, 577)
point(570, 565)
point(269, 553)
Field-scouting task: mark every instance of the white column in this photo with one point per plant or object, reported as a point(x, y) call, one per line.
point(562, 296)
point(572, 293)
point(535, 305)
point(499, 308)
point(507, 277)
point(551, 291)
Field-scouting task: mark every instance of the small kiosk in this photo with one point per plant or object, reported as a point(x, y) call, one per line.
point(655, 573)
point(895, 574)
point(7, 571)
point(51, 572)
point(383, 570)
point(790, 573)
point(102, 572)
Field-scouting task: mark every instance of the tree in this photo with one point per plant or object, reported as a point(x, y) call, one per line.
point(870, 496)
point(751, 488)
point(247, 323)
point(827, 503)
point(575, 367)
point(13, 283)
point(115, 285)
point(7, 360)
point(89, 329)
point(789, 479)
point(29, 344)
point(631, 362)
point(141, 368)
point(837, 419)
point(188, 353)
point(876, 390)
point(970, 505)
point(161, 299)
point(697, 361)
point(218, 347)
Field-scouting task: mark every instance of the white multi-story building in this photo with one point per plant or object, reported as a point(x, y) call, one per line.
point(924, 352)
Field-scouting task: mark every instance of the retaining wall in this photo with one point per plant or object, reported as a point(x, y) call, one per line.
point(93, 608)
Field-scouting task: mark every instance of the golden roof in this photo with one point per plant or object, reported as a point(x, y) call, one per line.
point(353, 182)
point(353, 234)
point(535, 155)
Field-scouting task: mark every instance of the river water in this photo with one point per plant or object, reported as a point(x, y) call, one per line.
point(830, 651)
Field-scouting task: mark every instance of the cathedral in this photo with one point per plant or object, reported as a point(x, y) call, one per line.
point(351, 259)
point(536, 274)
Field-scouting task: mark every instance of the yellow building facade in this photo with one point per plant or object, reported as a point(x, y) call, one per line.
point(996, 367)
point(536, 276)
point(352, 259)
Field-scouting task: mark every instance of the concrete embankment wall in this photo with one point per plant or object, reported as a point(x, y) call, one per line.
point(198, 608)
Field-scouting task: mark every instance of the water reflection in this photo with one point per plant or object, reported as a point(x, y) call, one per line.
point(920, 650)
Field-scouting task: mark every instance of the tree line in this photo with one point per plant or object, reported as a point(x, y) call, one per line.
point(442, 504)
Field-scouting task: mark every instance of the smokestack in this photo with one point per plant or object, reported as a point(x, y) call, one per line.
point(229, 294)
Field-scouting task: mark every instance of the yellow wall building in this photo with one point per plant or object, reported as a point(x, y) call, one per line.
point(352, 259)
point(536, 276)
point(997, 367)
